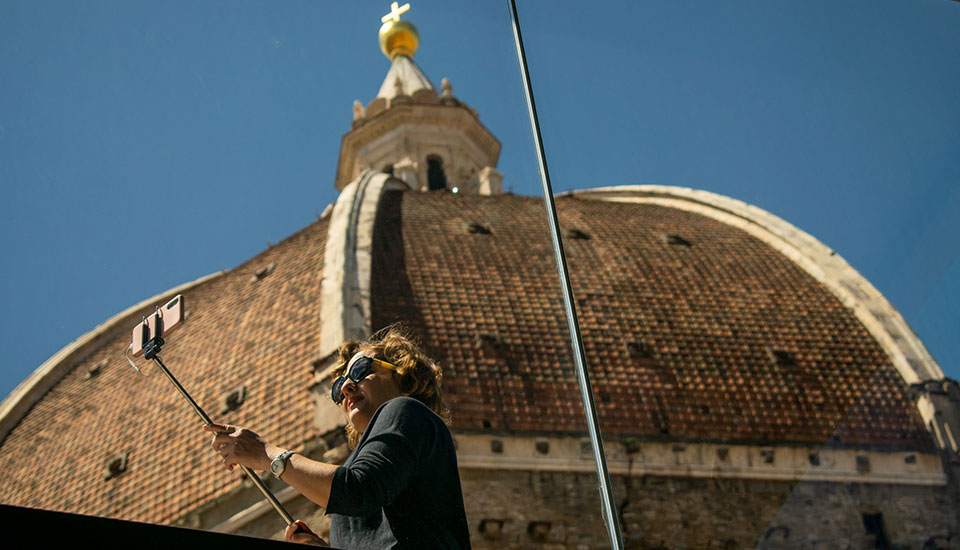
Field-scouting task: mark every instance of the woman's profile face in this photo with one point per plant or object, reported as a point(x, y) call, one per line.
point(362, 399)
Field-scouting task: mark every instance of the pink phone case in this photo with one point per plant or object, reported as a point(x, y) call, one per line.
point(171, 315)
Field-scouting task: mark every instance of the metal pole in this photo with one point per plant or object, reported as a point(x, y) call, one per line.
point(257, 482)
point(593, 427)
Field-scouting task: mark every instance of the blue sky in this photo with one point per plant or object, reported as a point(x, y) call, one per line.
point(225, 118)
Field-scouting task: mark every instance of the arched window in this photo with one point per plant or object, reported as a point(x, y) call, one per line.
point(436, 180)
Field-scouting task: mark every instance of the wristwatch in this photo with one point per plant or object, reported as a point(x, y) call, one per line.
point(279, 464)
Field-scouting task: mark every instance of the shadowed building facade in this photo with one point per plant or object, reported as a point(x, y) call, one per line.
point(753, 390)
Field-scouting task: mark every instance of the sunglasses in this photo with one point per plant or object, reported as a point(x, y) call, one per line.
point(359, 367)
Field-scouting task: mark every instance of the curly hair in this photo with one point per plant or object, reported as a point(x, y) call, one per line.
point(417, 375)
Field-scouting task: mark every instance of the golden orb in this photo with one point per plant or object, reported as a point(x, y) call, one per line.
point(399, 38)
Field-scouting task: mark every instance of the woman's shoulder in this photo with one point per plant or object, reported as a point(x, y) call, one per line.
point(407, 413)
point(406, 406)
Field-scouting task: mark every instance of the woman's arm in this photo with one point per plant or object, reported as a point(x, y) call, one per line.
point(244, 447)
point(313, 479)
point(400, 431)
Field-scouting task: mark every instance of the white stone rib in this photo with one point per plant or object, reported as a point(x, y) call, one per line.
point(345, 290)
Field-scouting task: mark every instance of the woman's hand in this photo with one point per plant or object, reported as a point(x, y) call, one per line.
point(241, 446)
point(299, 532)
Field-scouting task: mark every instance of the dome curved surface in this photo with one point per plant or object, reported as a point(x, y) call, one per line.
point(693, 328)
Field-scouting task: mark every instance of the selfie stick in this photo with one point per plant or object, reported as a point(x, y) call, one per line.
point(150, 351)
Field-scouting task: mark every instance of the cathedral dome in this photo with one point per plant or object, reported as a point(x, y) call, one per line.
point(694, 329)
point(722, 342)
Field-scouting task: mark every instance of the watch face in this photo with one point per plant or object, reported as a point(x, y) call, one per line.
point(276, 466)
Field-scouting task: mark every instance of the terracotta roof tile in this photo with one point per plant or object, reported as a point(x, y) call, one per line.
point(679, 314)
point(241, 330)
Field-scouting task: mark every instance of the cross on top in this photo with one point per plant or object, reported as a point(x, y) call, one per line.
point(395, 11)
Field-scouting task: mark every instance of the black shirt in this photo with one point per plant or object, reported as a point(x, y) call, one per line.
point(400, 487)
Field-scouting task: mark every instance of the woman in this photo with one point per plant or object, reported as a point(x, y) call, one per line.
point(400, 487)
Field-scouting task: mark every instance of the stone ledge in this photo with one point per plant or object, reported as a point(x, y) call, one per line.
point(711, 460)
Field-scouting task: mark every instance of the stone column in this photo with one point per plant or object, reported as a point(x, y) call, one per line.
point(490, 181)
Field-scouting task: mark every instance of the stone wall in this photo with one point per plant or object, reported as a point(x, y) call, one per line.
point(515, 509)
point(551, 510)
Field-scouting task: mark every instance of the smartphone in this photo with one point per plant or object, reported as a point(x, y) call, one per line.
point(160, 323)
